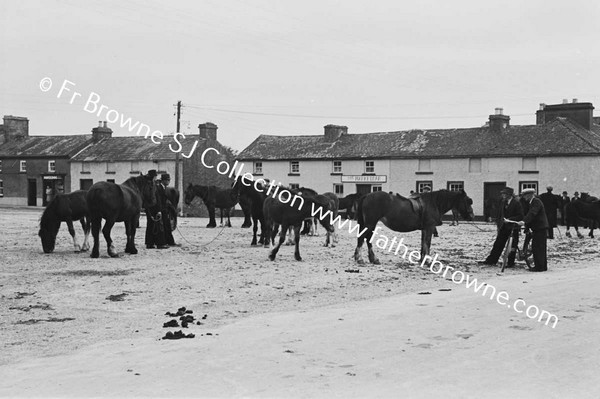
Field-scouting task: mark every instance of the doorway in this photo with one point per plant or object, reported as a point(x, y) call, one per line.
point(31, 192)
point(491, 200)
point(363, 189)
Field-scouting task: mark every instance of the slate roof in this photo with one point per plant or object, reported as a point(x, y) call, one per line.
point(44, 146)
point(136, 148)
point(557, 137)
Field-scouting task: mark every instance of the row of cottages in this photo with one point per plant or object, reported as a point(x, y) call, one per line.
point(35, 168)
point(562, 150)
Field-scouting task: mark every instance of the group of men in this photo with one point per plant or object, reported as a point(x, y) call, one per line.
point(158, 227)
point(528, 211)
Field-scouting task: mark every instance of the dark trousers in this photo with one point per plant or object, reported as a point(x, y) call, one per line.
point(538, 248)
point(168, 234)
point(155, 231)
point(503, 235)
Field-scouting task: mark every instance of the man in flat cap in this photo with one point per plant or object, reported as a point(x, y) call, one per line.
point(155, 232)
point(551, 205)
point(511, 209)
point(536, 220)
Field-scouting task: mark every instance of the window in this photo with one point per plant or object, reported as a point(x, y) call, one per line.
point(294, 186)
point(376, 188)
point(338, 189)
point(424, 183)
point(369, 166)
point(23, 166)
point(135, 167)
point(294, 167)
point(85, 167)
point(258, 168)
point(529, 163)
point(110, 167)
point(528, 184)
point(424, 165)
point(475, 165)
point(51, 166)
point(1, 189)
point(110, 180)
point(337, 166)
point(160, 167)
point(456, 185)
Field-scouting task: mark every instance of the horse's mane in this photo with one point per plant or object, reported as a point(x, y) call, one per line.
point(443, 199)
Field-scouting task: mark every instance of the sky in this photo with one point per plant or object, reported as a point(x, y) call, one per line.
point(290, 68)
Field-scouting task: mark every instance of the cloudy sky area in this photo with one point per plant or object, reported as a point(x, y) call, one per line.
point(287, 68)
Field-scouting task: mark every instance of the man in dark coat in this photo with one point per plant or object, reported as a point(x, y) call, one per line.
point(565, 199)
point(161, 192)
point(551, 205)
point(536, 220)
point(155, 235)
point(510, 208)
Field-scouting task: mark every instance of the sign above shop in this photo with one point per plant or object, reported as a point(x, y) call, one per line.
point(364, 178)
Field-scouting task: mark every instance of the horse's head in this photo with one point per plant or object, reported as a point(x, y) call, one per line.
point(327, 204)
point(148, 189)
point(49, 225)
point(464, 205)
point(48, 236)
point(189, 194)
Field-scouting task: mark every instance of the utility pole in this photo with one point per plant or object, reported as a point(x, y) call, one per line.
point(178, 172)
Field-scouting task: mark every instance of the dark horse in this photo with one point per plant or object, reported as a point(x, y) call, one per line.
point(213, 197)
point(289, 208)
point(585, 210)
point(253, 192)
point(65, 208)
point(119, 203)
point(404, 214)
point(350, 204)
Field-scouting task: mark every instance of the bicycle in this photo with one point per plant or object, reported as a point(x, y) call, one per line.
point(523, 254)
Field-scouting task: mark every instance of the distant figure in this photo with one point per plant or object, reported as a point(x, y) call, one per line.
point(575, 196)
point(565, 199)
point(551, 205)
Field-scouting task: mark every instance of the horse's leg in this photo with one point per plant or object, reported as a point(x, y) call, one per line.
point(128, 235)
point(254, 229)
point(372, 258)
point(96, 224)
point(211, 215)
point(109, 243)
point(284, 228)
point(367, 234)
point(426, 234)
point(290, 240)
point(85, 225)
point(228, 214)
point(73, 235)
point(272, 229)
point(131, 235)
point(222, 210)
point(297, 242)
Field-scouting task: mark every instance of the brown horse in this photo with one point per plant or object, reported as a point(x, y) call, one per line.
point(213, 197)
point(289, 209)
point(119, 203)
point(585, 210)
point(350, 204)
point(403, 214)
point(65, 208)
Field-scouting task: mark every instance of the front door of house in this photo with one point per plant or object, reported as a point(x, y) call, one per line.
point(31, 192)
point(363, 189)
point(491, 199)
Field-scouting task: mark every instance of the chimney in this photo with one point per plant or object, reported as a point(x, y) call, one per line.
point(580, 113)
point(499, 121)
point(101, 132)
point(539, 115)
point(208, 131)
point(565, 101)
point(15, 128)
point(334, 132)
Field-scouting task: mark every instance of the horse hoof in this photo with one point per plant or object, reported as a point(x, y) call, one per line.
point(113, 255)
point(299, 258)
point(94, 255)
point(134, 251)
point(271, 257)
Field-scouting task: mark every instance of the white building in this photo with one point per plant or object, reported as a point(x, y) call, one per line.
point(562, 149)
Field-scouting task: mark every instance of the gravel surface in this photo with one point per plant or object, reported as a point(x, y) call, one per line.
point(55, 303)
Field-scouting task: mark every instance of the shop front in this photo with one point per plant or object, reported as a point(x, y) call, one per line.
point(365, 183)
point(52, 185)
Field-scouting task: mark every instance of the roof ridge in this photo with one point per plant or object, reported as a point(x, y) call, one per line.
point(569, 125)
